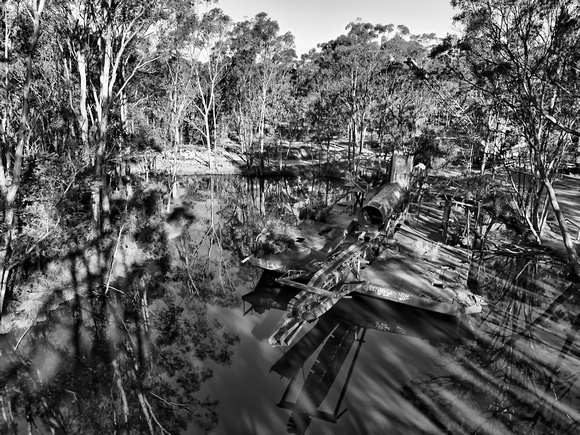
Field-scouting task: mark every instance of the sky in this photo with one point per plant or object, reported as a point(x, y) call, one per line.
point(316, 21)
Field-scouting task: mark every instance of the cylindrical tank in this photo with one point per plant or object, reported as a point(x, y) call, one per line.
point(382, 205)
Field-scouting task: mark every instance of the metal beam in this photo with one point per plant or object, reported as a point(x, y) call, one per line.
point(310, 288)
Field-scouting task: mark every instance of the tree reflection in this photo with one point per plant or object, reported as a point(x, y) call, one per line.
point(518, 375)
point(319, 365)
point(271, 208)
point(521, 376)
point(122, 343)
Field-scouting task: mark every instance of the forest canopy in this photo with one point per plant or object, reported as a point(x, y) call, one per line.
point(93, 90)
point(91, 86)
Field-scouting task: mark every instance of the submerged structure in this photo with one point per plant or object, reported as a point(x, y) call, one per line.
point(371, 270)
point(363, 257)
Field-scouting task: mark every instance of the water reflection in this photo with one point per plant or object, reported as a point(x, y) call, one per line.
point(134, 351)
point(321, 355)
point(119, 339)
point(521, 375)
point(107, 364)
point(515, 369)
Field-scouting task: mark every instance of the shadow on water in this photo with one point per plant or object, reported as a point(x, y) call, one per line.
point(320, 365)
point(512, 369)
point(521, 375)
point(133, 327)
point(119, 336)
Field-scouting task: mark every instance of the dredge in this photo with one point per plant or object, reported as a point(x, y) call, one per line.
point(361, 260)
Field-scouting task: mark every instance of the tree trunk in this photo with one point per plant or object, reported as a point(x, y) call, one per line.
point(214, 121)
point(573, 260)
point(123, 111)
point(262, 127)
point(4, 124)
point(352, 143)
point(363, 131)
point(101, 207)
point(10, 198)
point(83, 118)
point(485, 144)
point(208, 139)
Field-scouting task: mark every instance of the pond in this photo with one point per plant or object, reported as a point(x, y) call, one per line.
point(173, 348)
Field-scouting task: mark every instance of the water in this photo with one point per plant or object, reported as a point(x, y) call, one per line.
point(189, 356)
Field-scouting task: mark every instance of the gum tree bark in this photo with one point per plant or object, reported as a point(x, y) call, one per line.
point(524, 56)
point(10, 195)
point(117, 33)
point(6, 109)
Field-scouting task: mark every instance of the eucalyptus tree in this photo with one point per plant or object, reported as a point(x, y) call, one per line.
point(209, 62)
point(11, 177)
point(468, 119)
point(105, 44)
point(260, 63)
point(524, 56)
point(192, 48)
point(403, 104)
point(363, 72)
point(172, 80)
point(352, 62)
point(324, 113)
point(291, 105)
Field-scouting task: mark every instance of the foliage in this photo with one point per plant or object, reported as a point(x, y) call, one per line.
point(426, 148)
point(503, 382)
point(521, 56)
point(90, 87)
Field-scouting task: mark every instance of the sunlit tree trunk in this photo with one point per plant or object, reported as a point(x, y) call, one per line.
point(178, 101)
point(573, 260)
point(100, 190)
point(262, 123)
point(363, 132)
point(7, 238)
point(204, 109)
point(123, 103)
point(4, 155)
point(216, 134)
point(83, 118)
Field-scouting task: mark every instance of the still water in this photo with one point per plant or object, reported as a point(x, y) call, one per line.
point(173, 348)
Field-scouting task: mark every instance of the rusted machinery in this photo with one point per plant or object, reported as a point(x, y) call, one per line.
point(384, 205)
point(323, 278)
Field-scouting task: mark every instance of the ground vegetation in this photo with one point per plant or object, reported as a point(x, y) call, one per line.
point(104, 103)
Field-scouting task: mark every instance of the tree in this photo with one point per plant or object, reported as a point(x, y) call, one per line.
point(102, 40)
point(404, 103)
point(208, 58)
point(353, 60)
point(523, 55)
point(364, 70)
point(324, 112)
point(192, 50)
point(10, 191)
point(260, 63)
